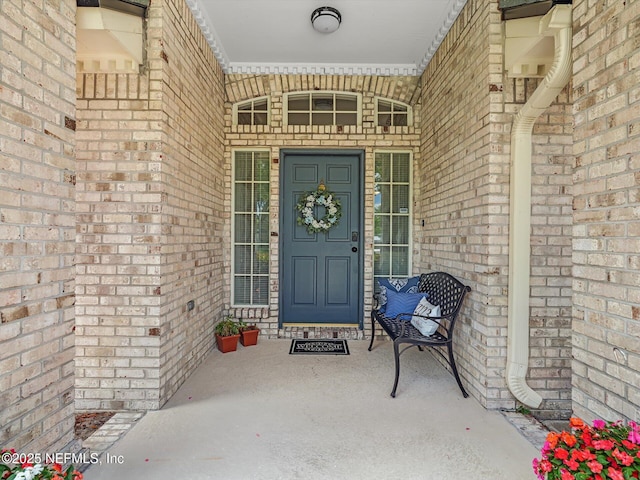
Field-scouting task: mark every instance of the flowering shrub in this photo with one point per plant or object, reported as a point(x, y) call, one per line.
point(606, 450)
point(30, 471)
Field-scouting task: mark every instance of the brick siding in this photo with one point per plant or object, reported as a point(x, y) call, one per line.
point(368, 137)
point(150, 221)
point(468, 108)
point(150, 193)
point(606, 314)
point(37, 225)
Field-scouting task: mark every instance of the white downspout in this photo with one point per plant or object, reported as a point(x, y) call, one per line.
point(558, 22)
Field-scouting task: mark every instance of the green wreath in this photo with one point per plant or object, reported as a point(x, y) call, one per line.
point(323, 198)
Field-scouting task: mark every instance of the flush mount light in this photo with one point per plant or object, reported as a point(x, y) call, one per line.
point(326, 19)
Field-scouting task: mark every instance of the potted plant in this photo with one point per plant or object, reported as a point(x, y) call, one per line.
point(606, 450)
point(248, 334)
point(227, 334)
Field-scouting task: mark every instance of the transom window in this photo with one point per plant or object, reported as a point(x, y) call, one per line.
point(392, 214)
point(252, 112)
point(393, 114)
point(323, 108)
point(251, 228)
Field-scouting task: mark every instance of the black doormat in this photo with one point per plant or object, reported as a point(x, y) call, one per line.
point(318, 347)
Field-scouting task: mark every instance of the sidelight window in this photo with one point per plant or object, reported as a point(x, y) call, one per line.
point(251, 228)
point(392, 214)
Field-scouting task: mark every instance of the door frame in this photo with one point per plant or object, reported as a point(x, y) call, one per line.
point(360, 153)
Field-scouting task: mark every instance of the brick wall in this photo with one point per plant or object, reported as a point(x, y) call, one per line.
point(118, 242)
point(467, 111)
point(606, 205)
point(149, 218)
point(193, 183)
point(37, 176)
point(367, 137)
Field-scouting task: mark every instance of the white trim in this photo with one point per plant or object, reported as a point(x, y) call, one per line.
point(444, 29)
point(204, 22)
point(323, 69)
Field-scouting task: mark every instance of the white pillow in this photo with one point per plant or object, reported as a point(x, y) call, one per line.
point(425, 326)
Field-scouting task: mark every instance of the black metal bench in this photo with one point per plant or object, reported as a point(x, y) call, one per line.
point(443, 290)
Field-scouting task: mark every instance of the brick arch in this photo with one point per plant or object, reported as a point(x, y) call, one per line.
point(241, 87)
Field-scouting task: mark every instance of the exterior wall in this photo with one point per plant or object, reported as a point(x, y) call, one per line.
point(193, 183)
point(118, 242)
point(37, 176)
point(467, 111)
point(368, 137)
point(153, 211)
point(149, 211)
point(606, 283)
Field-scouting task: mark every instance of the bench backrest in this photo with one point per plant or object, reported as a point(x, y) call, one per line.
point(444, 290)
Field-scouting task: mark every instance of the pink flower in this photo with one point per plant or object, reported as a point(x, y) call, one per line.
point(565, 475)
point(599, 424)
point(615, 474)
point(623, 457)
point(572, 464)
point(595, 467)
point(536, 465)
point(634, 436)
point(603, 444)
point(599, 452)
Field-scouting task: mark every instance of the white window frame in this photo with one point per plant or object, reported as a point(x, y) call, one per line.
point(409, 112)
point(252, 102)
point(310, 93)
point(233, 230)
point(409, 245)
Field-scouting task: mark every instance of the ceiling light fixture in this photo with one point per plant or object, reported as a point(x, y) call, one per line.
point(326, 19)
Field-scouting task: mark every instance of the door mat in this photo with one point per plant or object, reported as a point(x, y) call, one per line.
point(318, 347)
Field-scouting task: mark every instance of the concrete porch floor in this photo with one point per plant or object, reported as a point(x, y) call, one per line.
point(260, 413)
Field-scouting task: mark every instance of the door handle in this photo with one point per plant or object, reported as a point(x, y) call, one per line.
point(354, 249)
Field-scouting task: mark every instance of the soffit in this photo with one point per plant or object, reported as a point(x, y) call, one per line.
point(376, 37)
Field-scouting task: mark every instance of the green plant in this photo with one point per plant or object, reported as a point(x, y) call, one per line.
point(522, 410)
point(243, 327)
point(227, 327)
point(12, 467)
point(607, 450)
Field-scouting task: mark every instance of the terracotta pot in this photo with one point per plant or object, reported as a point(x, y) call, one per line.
point(227, 344)
point(249, 337)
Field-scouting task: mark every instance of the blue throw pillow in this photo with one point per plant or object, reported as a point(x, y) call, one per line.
point(395, 285)
point(400, 302)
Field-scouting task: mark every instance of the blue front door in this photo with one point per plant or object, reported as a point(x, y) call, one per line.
point(321, 272)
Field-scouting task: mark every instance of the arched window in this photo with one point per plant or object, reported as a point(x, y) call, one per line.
point(251, 112)
point(390, 113)
point(323, 108)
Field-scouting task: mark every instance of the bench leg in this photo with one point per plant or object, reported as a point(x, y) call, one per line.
point(373, 331)
point(452, 362)
point(396, 355)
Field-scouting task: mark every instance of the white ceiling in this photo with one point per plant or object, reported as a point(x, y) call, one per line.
point(376, 37)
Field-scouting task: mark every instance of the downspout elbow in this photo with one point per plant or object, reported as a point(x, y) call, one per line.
point(558, 21)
